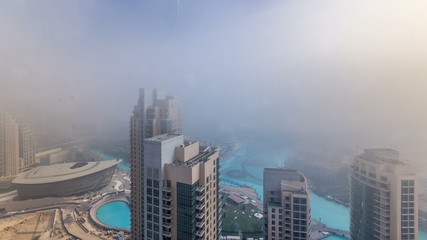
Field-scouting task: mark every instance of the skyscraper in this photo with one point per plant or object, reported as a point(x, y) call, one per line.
point(17, 146)
point(384, 202)
point(286, 205)
point(181, 195)
point(27, 146)
point(151, 116)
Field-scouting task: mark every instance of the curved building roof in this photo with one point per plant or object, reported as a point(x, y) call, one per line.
point(62, 172)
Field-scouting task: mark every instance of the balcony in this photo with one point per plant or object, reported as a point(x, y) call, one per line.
point(221, 195)
point(200, 198)
point(200, 233)
point(167, 189)
point(167, 216)
point(200, 189)
point(167, 224)
point(218, 175)
point(200, 224)
point(167, 198)
point(167, 207)
point(167, 234)
point(200, 215)
point(200, 207)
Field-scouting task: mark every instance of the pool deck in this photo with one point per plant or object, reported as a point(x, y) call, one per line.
point(107, 199)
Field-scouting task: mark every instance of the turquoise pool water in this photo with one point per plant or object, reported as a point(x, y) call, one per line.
point(115, 214)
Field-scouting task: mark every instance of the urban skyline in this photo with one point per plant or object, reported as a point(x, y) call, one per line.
point(328, 92)
point(179, 181)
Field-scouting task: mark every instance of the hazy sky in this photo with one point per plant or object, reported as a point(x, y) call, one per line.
point(334, 73)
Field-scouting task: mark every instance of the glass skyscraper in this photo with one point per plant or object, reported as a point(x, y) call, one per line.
point(384, 202)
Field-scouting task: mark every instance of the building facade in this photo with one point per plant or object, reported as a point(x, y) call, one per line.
point(17, 146)
point(181, 196)
point(151, 116)
point(384, 202)
point(286, 205)
point(27, 146)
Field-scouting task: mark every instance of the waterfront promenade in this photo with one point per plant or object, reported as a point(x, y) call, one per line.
point(321, 231)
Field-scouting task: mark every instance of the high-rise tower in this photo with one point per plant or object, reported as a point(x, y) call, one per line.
point(27, 146)
point(286, 205)
point(181, 195)
point(17, 146)
point(384, 202)
point(151, 116)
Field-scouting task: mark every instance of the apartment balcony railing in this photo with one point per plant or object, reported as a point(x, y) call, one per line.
point(200, 233)
point(200, 224)
point(200, 189)
point(167, 233)
point(200, 198)
point(167, 198)
point(167, 224)
point(200, 215)
point(167, 207)
point(200, 207)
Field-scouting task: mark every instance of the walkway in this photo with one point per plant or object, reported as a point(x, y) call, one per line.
point(319, 229)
